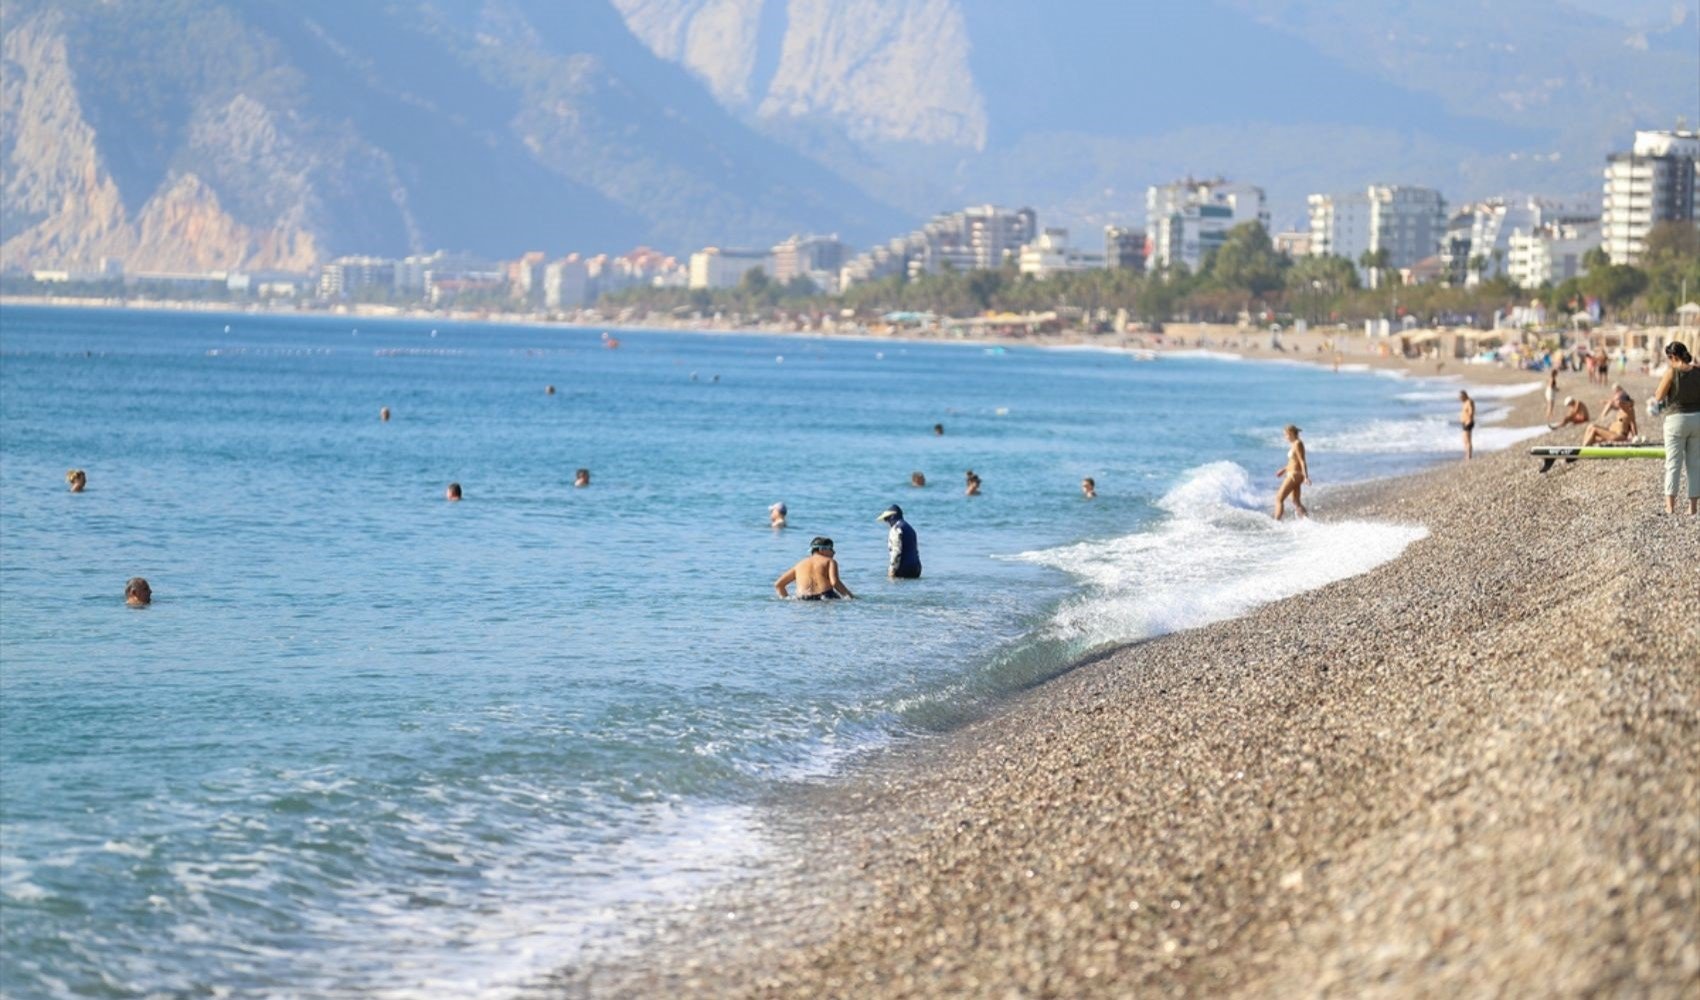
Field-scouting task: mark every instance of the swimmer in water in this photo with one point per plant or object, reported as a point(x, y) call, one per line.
point(384, 414)
point(452, 494)
point(938, 430)
point(917, 480)
point(1089, 488)
point(581, 478)
point(776, 516)
point(816, 577)
point(973, 489)
point(1294, 476)
point(548, 390)
point(76, 479)
point(137, 593)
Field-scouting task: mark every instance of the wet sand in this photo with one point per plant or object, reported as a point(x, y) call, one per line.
point(1474, 770)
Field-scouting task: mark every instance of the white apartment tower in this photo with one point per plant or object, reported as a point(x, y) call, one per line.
point(1654, 182)
point(1188, 219)
point(1408, 222)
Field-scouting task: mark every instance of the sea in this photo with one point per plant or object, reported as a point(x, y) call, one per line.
point(367, 742)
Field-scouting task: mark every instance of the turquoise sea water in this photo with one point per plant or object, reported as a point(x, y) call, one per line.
point(369, 742)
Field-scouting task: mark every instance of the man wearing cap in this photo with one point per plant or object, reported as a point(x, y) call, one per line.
point(816, 577)
point(905, 549)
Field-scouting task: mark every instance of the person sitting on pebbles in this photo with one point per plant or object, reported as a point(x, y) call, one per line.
point(1622, 429)
point(77, 480)
point(1575, 412)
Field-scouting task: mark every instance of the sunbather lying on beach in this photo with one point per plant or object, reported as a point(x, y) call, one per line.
point(1575, 412)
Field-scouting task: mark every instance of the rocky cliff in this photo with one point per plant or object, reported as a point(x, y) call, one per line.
point(210, 134)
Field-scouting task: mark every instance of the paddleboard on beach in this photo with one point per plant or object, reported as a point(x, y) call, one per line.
point(1549, 454)
point(1637, 451)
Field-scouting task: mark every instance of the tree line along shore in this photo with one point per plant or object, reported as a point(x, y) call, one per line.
point(1244, 278)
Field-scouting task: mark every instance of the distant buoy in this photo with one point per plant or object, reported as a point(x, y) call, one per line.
point(779, 359)
point(227, 328)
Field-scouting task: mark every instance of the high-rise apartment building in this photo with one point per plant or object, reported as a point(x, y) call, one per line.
point(817, 258)
point(979, 238)
point(1408, 222)
point(1188, 219)
point(1124, 248)
point(1652, 183)
point(349, 276)
point(722, 267)
point(1550, 253)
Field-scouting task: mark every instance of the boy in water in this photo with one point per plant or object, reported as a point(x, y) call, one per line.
point(816, 577)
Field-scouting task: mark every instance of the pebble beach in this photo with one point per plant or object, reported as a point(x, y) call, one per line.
point(1473, 770)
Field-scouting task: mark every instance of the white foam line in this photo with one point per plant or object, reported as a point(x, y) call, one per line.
point(1217, 556)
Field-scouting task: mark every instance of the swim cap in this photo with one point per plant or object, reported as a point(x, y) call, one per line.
point(780, 507)
point(820, 542)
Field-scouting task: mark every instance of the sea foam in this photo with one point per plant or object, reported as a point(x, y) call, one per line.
point(1216, 555)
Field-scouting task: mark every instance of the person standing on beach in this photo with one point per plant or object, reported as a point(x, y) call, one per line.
point(901, 543)
point(816, 577)
point(1552, 390)
point(1678, 395)
point(1294, 476)
point(1467, 419)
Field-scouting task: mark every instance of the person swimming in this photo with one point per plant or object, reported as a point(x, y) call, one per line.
point(581, 478)
point(548, 390)
point(1089, 488)
point(137, 593)
point(973, 482)
point(917, 479)
point(938, 430)
point(816, 577)
point(1294, 476)
point(776, 515)
point(452, 494)
point(384, 414)
point(76, 479)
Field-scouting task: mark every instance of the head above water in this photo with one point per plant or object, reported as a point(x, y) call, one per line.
point(137, 593)
point(76, 479)
point(821, 545)
point(453, 492)
point(581, 477)
point(917, 479)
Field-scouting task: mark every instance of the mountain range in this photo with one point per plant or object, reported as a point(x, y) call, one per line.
point(209, 134)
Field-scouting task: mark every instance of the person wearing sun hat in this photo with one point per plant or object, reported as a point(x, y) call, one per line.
point(905, 549)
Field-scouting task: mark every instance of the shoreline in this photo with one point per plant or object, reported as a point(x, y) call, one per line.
point(1423, 778)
